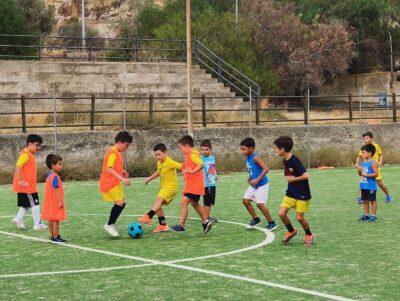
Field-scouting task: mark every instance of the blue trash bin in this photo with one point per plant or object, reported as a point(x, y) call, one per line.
point(382, 100)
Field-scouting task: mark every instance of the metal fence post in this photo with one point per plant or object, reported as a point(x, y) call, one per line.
point(203, 110)
point(137, 50)
point(40, 47)
point(305, 110)
point(394, 107)
point(183, 51)
point(151, 103)
point(90, 49)
point(23, 114)
point(350, 107)
point(196, 51)
point(92, 110)
point(124, 108)
point(258, 99)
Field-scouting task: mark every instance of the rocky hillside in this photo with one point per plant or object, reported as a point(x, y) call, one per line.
point(100, 14)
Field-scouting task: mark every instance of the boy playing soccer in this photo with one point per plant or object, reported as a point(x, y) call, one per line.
point(368, 170)
point(298, 193)
point(258, 185)
point(53, 199)
point(378, 157)
point(112, 177)
point(24, 184)
point(194, 185)
point(210, 177)
point(166, 170)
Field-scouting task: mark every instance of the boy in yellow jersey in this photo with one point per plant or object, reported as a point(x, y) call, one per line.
point(112, 177)
point(166, 170)
point(378, 157)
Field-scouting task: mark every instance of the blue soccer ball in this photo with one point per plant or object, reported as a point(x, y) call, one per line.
point(135, 230)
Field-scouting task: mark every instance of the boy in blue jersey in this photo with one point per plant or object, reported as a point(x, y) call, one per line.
point(258, 184)
point(368, 170)
point(210, 178)
point(298, 193)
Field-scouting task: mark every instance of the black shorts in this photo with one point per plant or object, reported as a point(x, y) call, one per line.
point(368, 195)
point(193, 197)
point(27, 200)
point(209, 196)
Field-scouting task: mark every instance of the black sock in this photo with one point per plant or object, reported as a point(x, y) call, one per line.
point(151, 213)
point(161, 220)
point(271, 222)
point(308, 232)
point(256, 219)
point(114, 214)
point(289, 227)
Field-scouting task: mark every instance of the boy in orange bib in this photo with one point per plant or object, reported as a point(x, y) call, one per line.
point(24, 184)
point(112, 177)
point(53, 200)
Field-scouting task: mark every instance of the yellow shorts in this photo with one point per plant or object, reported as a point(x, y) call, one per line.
point(114, 194)
point(167, 195)
point(379, 177)
point(300, 205)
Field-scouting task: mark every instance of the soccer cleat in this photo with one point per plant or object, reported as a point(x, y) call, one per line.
point(360, 200)
point(309, 239)
point(18, 223)
point(40, 227)
point(57, 240)
point(213, 220)
point(288, 236)
point(145, 219)
point(161, 228)
point(253, 223)
point(271, 227)
point(207, 226)
point(111, 230)
point(372, 218)
point(388, 198)
point(178, 228)
point(364, 218)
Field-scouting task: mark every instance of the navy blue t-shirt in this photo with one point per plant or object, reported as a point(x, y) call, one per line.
point(297, 190)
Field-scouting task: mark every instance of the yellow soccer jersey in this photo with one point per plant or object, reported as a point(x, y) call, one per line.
point(378, 152)
point(167, 172)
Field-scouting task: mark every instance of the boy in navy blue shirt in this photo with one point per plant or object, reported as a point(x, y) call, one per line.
point(298, 194)
point(258, 184)
point(368, 170)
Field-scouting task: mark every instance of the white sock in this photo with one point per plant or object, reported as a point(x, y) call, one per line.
point(36, 215)
point(21, 213)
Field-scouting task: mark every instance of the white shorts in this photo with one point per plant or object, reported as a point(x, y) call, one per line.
point(258, 195)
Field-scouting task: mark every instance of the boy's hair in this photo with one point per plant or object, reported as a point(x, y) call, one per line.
point(123, 136)
point(52, 159)
point(284, 142)
point(186, 140)
point(369, 148)
point(248, 142)
point(206, 143)
point(160, 147)
point(33, 138)
point(369, 134)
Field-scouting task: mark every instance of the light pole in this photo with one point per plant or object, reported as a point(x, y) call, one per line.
point(189, 69)
point(237, 12)
point(391, 58)
point(83, 26)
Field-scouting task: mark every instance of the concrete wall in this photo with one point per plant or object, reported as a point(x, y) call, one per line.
point(83, 151)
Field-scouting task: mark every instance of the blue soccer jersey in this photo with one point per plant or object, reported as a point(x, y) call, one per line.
point(366, 182)
point(210, 172)
point(298, 190)
point(255, 170)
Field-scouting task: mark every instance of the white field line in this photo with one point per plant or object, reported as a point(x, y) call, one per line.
point(188, 268)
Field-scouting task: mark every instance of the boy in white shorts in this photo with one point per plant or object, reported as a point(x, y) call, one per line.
point(258, 185)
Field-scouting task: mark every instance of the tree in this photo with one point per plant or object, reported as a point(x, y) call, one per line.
point(39, 16)
point(301, 55)
point(13, 22)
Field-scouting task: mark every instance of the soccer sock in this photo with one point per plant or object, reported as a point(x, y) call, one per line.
point(151, 213)
point(289, 227)
point(257, 219)
point(21, 213)
point(161, 220)
point(308, 232)
point(271, 222)
point(114, 214)
point(36, 215)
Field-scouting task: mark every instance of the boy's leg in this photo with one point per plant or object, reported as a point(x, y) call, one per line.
point(249, 207)
point(21, 213)
point(51, 229)
point(265, 212)
point(184, 210)
point(116, 211)
point(147, 218)
point(374, 207)
point(162, 227)
point(283, 211)
point(383, 187)
point(303, 222)
point(366, 207)
point(200, 210)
